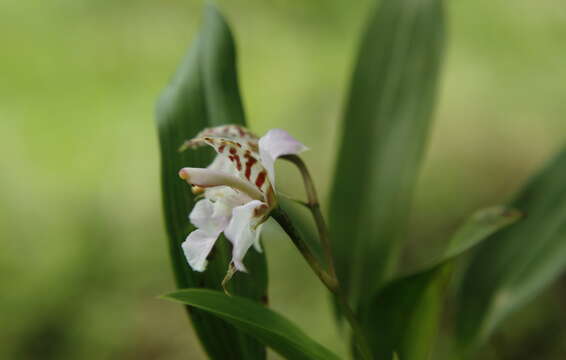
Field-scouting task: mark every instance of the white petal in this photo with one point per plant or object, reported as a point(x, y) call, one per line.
point(201, 213)
point(222, 210)
point(241, 233)
point(197, 246)
point(226, 195)
point(274, 144)
point(210, 217)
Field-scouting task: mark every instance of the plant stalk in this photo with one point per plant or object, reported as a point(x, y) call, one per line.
point(328, 278)
point(331, 282)
point(314, 205)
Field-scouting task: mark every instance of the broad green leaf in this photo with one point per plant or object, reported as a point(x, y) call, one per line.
point(219, 75)
point(403, 317)
point(266, 325)
point(518, 263)
point(384, 133)
point(204, 92)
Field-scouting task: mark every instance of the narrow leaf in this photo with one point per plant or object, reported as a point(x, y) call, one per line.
point(518, 263)
point(204, 92)
point(481, 225)
point(384, 133)
point(404, 316)
point(266, 325)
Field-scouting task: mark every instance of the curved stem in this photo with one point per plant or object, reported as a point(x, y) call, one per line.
point(329, 279)
point(314, 206)
point(283, 219)
point(331, 282)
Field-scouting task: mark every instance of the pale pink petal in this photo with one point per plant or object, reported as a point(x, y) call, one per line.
point(197, 246)
point(241, 231)
point(274, 144)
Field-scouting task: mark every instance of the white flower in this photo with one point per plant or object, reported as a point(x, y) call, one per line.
point(238, 190)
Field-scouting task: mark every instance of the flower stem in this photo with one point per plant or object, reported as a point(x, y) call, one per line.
point(331, 282)
point(314, 206)
point(283, 219)
point(329, 279)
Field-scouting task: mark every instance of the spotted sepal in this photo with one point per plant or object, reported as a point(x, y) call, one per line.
point(231, 132)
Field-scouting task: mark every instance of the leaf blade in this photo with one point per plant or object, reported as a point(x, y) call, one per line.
point(519, 262)
point(268, 326)
point(183, 110)
point(404, 316)
point(386, 124)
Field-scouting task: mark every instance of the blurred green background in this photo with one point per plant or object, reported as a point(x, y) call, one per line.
point(84, 254)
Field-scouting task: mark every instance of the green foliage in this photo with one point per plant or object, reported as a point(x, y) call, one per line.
point(517, 263)
point(266, 325)
point(404, 316)
point(79, 217)
point(384, 133)
point(385, 130)
point(203, 93)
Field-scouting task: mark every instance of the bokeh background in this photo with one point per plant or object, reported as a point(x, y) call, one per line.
point(83, 255)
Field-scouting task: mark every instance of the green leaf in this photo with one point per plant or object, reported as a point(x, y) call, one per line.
point(384, 133)
point(518, 263)
point(202, 93)
point(403, 317)
point(266, 325)
point(480, 226)
point(219, 75)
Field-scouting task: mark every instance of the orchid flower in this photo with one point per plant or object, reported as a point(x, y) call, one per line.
point(238, 189)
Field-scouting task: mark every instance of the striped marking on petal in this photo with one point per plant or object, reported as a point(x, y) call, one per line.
point(246, 163)
point(260, 179)
point(250, 162)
